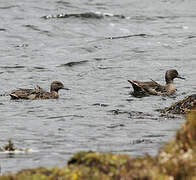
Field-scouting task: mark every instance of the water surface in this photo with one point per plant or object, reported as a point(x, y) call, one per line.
point(93, 47)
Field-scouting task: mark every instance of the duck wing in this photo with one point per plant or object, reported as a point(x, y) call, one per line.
point(143, 86)
point(158, 87)
point(151, 87)
point(155, 88)
point(43, 95)
point(39, 89)
point(22, 93)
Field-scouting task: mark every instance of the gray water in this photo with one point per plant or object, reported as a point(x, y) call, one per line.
point(98, 113)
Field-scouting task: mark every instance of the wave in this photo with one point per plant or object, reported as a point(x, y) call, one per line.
point(90, 15)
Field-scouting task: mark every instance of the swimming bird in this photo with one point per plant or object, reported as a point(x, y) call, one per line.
point(154, 88)
point(38, 93)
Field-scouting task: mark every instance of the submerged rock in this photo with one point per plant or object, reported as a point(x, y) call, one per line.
point(10, 148)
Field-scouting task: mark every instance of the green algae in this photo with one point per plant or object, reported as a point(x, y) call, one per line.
point(176, 160)
point(178, 157)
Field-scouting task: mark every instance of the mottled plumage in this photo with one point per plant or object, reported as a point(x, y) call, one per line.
point(38, 93)
point(154, 88)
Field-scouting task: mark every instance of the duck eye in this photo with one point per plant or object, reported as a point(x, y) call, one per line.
point(59, 84)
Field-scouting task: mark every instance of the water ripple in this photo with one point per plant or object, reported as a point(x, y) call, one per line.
point(12, 67)
point(73, 63)
point(89, 15)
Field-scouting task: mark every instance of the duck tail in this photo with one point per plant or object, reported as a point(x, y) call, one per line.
point(13, 96)
point(135, 85)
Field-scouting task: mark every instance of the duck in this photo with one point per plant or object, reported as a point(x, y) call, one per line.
point(154, 88)
point(38, 92)
point(183, 106)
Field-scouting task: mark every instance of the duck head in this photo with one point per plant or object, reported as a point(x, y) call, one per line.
point(171, 74)
point(56, 86)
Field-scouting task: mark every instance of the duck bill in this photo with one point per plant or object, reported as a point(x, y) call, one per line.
point(179, 77)
point(65, 88)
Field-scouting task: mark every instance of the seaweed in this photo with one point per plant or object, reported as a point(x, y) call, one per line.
point(183, 106)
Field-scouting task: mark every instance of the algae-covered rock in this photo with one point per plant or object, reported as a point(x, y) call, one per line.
point(183, 106)
point(176, 160)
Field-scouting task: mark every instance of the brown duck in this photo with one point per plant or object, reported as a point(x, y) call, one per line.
point(154, 88)
point(38, 93)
